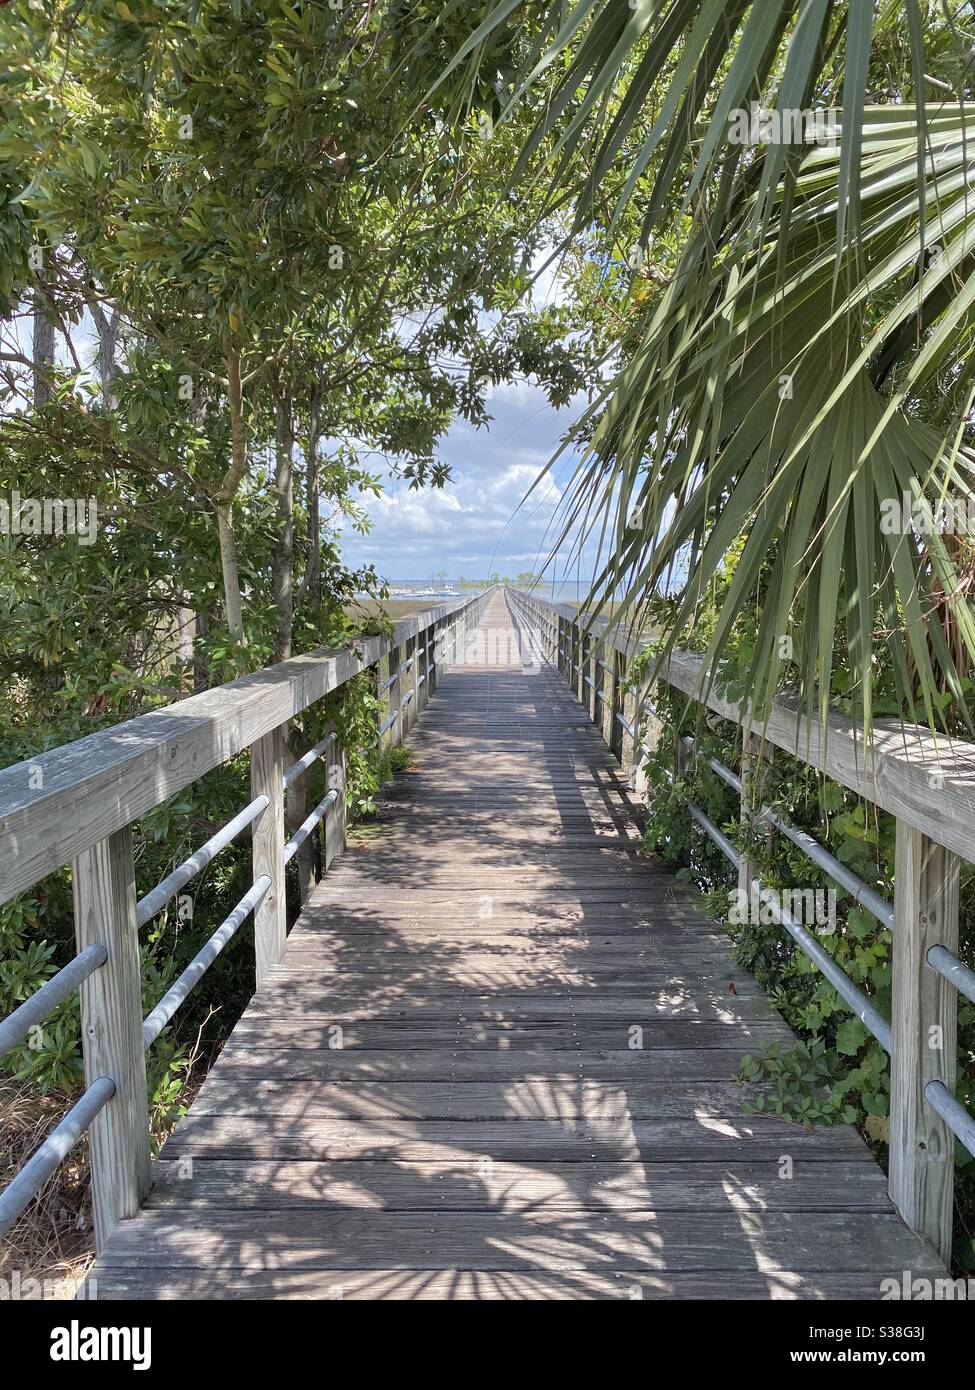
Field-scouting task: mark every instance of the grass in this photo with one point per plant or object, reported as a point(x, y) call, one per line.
point(393, 607)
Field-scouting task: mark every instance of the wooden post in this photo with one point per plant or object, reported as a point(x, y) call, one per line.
point(751, 752)
point(393, 697)
point(616, 693)
point(380, 673)
point(630, 755)
point(649, 731)
point(335, 819)
point(923, 1023)
point(267, 850)
point(683, 757)
point(410, 713)
point(585, 690)
point(578, 684)
point(433, 635)
point(296, 808)
point(605, 685)
point(419, 669)
point(111, 1030)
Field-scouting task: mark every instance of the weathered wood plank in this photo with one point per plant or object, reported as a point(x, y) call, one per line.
point(446, 1185)
point(315, 1033)
point(513, 1138)
point(682, 1241)
point(553, 1095)
point(103, 881)
point(924, 1011)
point(483, 1285)
point(683, 1067)
point(552, 1006)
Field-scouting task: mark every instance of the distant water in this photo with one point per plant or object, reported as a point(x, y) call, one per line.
point(425, 588)
point(561, 591)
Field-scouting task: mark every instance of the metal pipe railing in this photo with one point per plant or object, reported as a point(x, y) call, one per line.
point(155, 900)
point(307, 759)
point(15, 1027)
point(308, 825)
point(177, 993)
point(52, 1152)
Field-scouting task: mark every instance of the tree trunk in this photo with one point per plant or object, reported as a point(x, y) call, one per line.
point(313, 562)
point(107, 326)
point(43, 347)
point(228, 565)
point(228, 491)
point(282, 573)
point(201, 678)
point(186, 634)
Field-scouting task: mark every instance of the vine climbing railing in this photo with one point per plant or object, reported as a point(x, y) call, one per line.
point(926, 783)
point(76, 805)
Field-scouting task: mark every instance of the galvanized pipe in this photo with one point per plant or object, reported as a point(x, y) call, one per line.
point(954, 969)
point(308, 825)
point(56, 1147)
point(718, 836)
point(812, 849)
point(33, 1011)
point(954, 1114)
point(156, 1021)
point(858, 1002)
point(153, 902)
point(306, 759)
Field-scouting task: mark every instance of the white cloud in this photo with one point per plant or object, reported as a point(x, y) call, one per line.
point(476, 524)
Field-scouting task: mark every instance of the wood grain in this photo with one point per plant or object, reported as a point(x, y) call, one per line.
point(267, 852)
point(111, 1030)
point(924, 1011)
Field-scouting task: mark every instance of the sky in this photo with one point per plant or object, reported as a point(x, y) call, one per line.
point(474, 525)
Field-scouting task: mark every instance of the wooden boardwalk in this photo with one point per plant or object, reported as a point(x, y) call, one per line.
point(498, 1061)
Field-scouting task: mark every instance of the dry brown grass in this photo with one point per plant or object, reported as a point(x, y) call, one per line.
point(393, 607)
point(53, 1240)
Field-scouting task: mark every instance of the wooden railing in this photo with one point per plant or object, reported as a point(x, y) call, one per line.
point(76, 805)
point(926, 783)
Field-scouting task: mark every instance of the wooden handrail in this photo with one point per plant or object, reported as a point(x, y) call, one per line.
point(902, 768)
